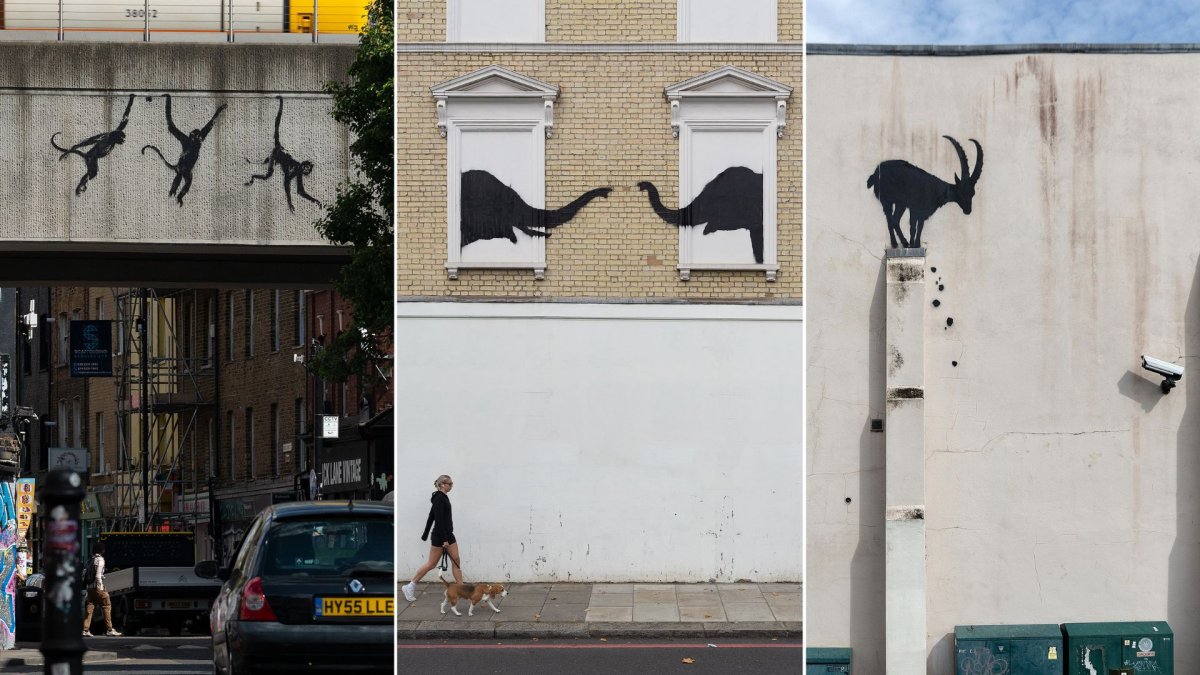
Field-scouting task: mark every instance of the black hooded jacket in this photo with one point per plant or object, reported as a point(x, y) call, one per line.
point(439, 513)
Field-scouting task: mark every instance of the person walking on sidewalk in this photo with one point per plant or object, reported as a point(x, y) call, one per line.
point(443, 536)
point(93, 578)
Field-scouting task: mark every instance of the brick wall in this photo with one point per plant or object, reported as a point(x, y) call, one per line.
point(612, 127)
point(255, 383)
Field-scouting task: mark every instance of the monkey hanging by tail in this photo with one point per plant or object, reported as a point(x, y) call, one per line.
point(292, 169)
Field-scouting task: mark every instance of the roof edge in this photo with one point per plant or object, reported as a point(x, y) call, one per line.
point(827, 49)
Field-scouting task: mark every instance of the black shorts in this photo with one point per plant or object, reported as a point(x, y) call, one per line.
point(436, 539)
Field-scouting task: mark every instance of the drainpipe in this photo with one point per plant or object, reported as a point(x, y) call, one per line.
point(904, 499)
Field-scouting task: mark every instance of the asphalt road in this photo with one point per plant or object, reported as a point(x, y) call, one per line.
point(142, 654)
point(591, 656)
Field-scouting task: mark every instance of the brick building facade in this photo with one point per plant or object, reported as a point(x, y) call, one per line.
point(638, 376)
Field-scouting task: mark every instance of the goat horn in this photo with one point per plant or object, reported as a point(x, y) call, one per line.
point(978, 160)
point(962, 158)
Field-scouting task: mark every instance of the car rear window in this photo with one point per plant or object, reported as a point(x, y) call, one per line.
point(329, 547)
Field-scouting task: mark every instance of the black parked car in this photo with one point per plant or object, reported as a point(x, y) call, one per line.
point(310, 589)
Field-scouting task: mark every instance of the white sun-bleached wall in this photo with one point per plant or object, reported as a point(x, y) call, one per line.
point(604, 442)
point(1060, 483)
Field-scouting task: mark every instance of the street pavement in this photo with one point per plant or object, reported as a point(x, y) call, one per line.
point(140, 654)
point(565, 610)
point(603, 656)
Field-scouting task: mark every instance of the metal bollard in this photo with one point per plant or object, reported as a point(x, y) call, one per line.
point(62, 624)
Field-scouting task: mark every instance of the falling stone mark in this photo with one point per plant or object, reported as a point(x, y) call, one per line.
point(941, 287)
point(937, 303)
point(905, 513)
point(954, 363)
point(896, 361)
point(949, 321)
point(933, 269)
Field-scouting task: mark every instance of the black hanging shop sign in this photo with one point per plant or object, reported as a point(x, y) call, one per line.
point(91, 349)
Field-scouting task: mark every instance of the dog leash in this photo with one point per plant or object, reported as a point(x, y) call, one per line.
point(444, 564)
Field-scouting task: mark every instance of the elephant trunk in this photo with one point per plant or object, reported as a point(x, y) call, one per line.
point(672, 216)
point(559, 216)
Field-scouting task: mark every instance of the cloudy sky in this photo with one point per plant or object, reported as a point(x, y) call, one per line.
point(967, 22)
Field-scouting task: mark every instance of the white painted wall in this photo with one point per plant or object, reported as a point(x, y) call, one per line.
point(604, 442)
point(1061, 485)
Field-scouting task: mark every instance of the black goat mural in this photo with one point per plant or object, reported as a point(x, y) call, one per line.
point(492, 210)
point(97, 148)
point(189, 152)
point(900, 186)
point(292, 170)
point(731, 201)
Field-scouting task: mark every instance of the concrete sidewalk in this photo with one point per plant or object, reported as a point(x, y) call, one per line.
point(612, 610)
point(29, 654)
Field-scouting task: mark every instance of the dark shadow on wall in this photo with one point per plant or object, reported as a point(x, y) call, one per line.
point(867, 569)
point(942, 653)
point(1146, 393)
point(1183, 566)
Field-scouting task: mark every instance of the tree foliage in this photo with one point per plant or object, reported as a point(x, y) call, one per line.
point(361, 216)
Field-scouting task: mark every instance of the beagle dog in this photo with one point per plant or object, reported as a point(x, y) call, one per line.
point(473, 593)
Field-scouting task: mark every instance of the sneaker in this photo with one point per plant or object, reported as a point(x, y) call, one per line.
point(87, 633)
point(112, 633)
point(410, 592)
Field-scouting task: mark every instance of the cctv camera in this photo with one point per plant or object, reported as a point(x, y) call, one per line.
point(1171, 373)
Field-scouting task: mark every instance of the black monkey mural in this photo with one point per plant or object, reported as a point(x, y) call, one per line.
point(731, 201)
point(492, 210)
point(899, 186)
point(292, 169)
point(189, 152)
point(98, 147)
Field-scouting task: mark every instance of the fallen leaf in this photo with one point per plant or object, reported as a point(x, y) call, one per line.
point(689, 660)
point(604, 639)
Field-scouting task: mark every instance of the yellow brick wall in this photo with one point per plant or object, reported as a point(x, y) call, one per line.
point(421, 20)
point(585, 20)
point(612, 128)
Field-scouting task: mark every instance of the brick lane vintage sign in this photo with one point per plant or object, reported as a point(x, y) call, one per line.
point(344, 469)
point(91, 349)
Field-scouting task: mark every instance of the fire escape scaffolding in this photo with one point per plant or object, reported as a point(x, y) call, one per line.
point(159, 399)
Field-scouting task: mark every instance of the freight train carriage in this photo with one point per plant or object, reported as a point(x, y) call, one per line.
point(186, 16)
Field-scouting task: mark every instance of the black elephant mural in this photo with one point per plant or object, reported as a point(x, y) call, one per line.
point(731, 201)
point(97, 147)
point(900, 186)
point(489, 209)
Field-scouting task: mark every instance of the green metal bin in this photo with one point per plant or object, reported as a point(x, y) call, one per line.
point(823, 660)
point(1028, 649)
point(1140, 646)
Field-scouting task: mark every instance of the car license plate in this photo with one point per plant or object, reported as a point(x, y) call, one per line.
point(180, 604)
point(348, 606)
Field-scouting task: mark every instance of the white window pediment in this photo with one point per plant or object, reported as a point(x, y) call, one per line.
point(498, 93)
point(496, 123)
point(728, 121)
point(732, 93)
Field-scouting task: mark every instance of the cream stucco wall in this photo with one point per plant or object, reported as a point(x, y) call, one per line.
point(1061, 485)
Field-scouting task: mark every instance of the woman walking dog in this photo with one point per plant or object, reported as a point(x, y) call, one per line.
point(443, 542)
